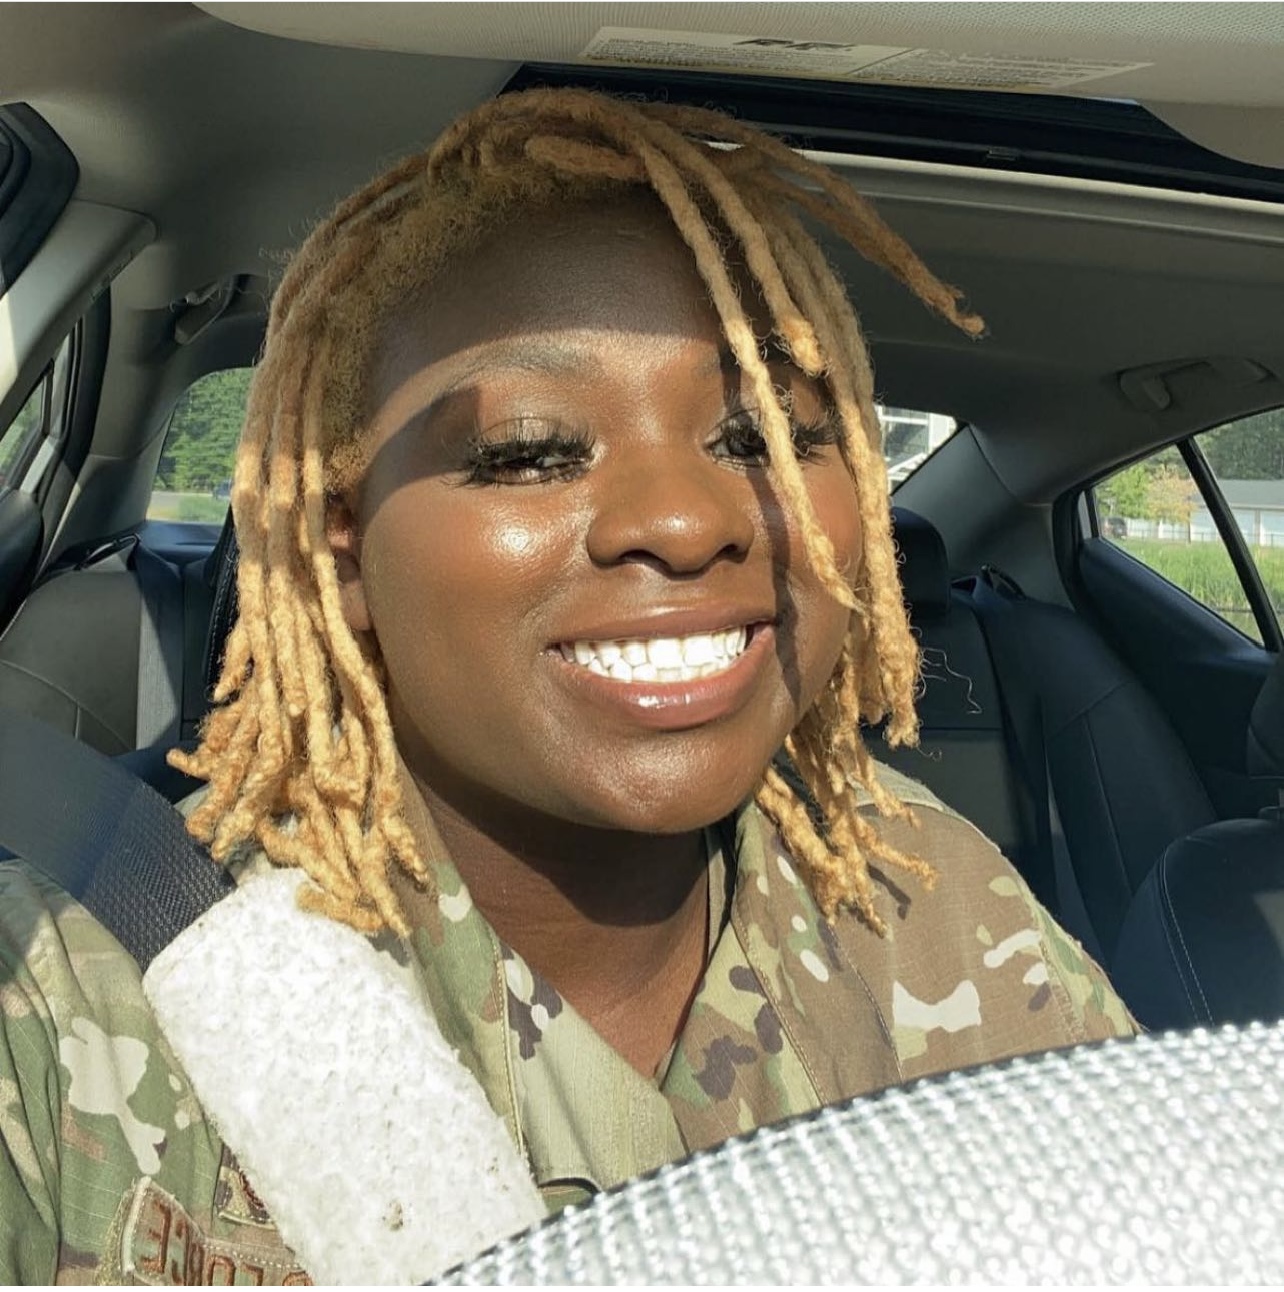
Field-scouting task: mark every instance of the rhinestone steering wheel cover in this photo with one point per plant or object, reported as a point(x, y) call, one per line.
point(1157, 1160)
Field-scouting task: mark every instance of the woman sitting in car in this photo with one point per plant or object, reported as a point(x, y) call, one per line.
point(562, 512)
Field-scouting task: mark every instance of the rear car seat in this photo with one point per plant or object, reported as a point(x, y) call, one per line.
point(108, 647)
point(962, 755)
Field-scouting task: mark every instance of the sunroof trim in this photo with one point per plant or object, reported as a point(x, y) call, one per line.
point(1023, 134)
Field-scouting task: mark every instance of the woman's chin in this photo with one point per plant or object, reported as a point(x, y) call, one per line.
point(668, 810)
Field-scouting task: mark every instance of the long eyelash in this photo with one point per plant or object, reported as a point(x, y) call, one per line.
point(486, 459)
point(807, 436)
point(815, 434)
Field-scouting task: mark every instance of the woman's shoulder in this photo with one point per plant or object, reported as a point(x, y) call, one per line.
point(978, 950)
point(91, 1099)
point(974, 969)
point(58, 964)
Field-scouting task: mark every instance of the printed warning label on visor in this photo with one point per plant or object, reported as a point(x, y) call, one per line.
point(835, 60)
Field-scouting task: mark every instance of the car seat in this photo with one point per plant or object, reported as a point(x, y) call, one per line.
point(1203, 941)
point(1107, 781)
point(108, 647)
point(962, 755)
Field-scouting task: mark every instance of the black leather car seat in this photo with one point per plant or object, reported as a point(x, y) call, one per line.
point(1203, 941)
point(108, 646)
point(962, 755)
point(1108, 783)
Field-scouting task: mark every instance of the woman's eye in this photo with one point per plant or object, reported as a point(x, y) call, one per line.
point(527, 454)
point(742, 440)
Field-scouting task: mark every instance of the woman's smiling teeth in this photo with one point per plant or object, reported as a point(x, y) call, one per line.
point(659, 659)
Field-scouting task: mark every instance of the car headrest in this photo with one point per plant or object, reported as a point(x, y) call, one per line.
point(1266, 725)
point(925, 569)
point(220, 573)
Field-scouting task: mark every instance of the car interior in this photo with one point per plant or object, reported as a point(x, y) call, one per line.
point(1103, 691)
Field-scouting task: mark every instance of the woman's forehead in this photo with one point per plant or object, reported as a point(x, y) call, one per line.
point(620, 268)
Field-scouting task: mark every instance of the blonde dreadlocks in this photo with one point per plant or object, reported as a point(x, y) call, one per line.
point(300, 756)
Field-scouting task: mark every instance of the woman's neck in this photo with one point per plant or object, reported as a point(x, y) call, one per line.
point(616, 922)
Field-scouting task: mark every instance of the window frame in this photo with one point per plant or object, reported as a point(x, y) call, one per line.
point(1192, 456)
point(56, 386)
point(1268, 623)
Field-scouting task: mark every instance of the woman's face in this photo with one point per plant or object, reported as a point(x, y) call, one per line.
point(589, 601)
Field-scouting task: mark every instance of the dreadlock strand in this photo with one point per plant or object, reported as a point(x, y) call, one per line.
point(353, 209)
point(383, 801)
point(324, 718)
point(895, 647)
point(841, 208)
point(796, 331)
point(590, 160)
point(777, 432)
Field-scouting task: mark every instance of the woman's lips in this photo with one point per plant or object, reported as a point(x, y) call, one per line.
point(669, 703)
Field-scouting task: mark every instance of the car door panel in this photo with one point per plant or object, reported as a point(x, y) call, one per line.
point(1204, 674)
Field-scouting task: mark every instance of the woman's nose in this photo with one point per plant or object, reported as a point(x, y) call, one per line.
point(678, 512)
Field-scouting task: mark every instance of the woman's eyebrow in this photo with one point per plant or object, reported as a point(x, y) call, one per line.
point(724, 363)
point(421, 393)
point(544, 355)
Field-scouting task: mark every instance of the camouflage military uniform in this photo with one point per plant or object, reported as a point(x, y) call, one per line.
point(110, 1169)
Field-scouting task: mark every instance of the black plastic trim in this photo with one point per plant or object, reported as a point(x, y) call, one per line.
point(94, 329)
point(1197, 464)
point(34, 189)
point(1026, 133)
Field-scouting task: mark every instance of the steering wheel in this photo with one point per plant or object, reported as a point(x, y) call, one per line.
point(1159, 1159)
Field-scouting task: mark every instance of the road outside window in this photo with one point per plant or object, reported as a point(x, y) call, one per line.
point(1154, 511)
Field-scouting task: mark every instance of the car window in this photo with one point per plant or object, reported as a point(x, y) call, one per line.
point(910, 437)
point(194, 478)
point(1246, 459)
point(1156, 512)
point(28, 444)
point(22, 433)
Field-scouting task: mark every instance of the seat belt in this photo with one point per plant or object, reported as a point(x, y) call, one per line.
point(102, 835)
point(159, 710)
point(1052, 876)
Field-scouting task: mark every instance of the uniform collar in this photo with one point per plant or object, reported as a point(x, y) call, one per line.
point(758, 1043)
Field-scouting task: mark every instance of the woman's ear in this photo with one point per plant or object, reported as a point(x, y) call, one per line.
point(345, 542)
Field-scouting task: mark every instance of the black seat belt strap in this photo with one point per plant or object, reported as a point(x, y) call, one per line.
point(160, 651)
point(103, 835)
point(1052, 877)
point(1025, 722)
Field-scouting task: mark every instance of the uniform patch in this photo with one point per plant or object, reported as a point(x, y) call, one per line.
point(161, 1245)
point(234, 1196)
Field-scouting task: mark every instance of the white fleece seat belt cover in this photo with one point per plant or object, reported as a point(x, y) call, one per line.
point(372, 1146)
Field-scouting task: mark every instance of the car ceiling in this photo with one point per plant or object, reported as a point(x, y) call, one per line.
point(233, 141)
point(1204, 63)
